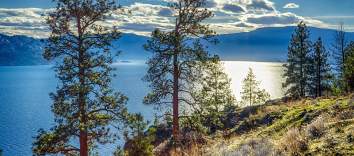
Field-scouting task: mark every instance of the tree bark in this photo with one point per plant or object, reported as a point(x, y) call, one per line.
point(175, 130)
point(81, 99)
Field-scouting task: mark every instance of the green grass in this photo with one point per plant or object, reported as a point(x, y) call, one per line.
point(339, 132)
point(302, 113)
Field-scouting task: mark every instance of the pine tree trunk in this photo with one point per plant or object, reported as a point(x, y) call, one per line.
point(82, 105)
point(81, 98)
point(83, 143)
point(302, 76)
point(83, 120)
point(175, 128)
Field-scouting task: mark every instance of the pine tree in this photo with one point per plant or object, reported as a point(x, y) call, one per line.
point(251, 93)
point(298, 67)
point(84, 106)
point(349, 66)
point(175, 54)
point(214, 95)
point(321, 70)
point(338, 50)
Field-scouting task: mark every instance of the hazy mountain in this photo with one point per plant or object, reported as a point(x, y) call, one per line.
point(20, 50)
point(266, 44)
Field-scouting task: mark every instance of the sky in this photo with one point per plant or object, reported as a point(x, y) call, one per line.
point(27, 17)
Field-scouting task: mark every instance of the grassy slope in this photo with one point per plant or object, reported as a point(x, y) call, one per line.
point(272, 121)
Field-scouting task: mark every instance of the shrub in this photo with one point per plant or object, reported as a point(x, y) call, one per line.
point(316, 128)
point(345, 114)
point(138, 142)
point(293, 142)
point(254, 147)
point(140, 145)
point(192, 138)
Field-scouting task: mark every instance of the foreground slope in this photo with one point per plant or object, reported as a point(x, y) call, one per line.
point(323, 126)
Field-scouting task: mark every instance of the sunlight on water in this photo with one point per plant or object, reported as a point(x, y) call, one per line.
point(269, 73)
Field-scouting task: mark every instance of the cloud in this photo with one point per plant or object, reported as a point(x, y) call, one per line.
point(165, 12)
point(291, 6)
point(285, 18)
point(244, 25)
point(261, 5)
point(233, 8)
point(334, 17)
point(29, 21)
point(210, 4)
point(230, 16)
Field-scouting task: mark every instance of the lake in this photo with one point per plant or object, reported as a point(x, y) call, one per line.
point(25, 104)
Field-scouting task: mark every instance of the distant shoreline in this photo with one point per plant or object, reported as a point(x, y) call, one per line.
point(135, 62)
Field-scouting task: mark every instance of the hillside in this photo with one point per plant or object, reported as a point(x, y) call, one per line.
point(311, 126)
point(265, 44)
point(323, 126)
point(20, 50)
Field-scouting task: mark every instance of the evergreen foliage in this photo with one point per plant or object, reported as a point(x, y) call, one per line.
point(349, 66)
point(138, 142)
point(213, 96)
point(172, 68)
point(84, 106)
point(321, 75)
point(298, 67)
point(251, 93)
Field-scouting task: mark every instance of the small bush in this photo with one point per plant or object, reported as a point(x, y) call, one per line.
point(293, 142)
point(140, 145)
point(192, 138)
point(316, 128)
point(254, 147)
point(345, 114)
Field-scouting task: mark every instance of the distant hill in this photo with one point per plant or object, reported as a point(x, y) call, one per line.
point(265, 44)
point(20, 50)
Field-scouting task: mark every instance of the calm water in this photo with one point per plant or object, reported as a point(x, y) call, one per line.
point(25, 104)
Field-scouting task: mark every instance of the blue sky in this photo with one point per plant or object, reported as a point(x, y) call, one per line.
point(26, 17)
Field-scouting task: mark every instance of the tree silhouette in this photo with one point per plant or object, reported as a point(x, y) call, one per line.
point(175, 55)
point(298, 66)
point(349, 66)
point(322, 71)
point(84, 106)
point(251, 93)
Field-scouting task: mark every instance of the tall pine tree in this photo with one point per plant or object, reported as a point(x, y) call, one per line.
point(175, 54)
point(251, 93)
point(321, 74)
point(298, 66)
point(84, 106)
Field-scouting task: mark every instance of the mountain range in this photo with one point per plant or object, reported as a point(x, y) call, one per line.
point(264, 44)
